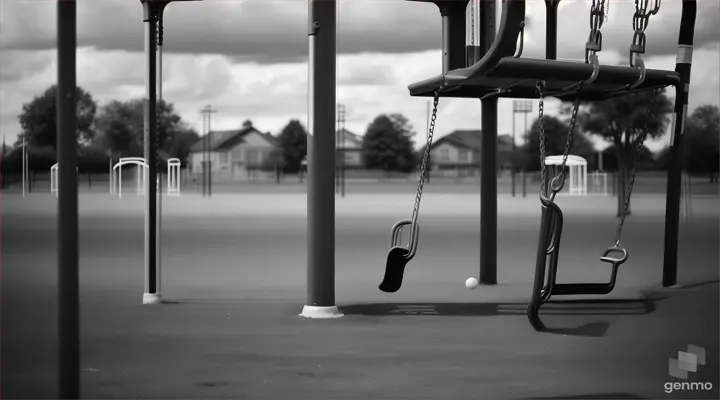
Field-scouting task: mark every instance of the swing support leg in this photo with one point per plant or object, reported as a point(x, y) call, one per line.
point(488, 166)
point(672, 202)
point(321, 152)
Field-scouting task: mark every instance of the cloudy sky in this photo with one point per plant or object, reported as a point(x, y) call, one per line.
point(248, 59)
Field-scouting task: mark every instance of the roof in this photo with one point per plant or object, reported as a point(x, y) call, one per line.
point(349, 137)
point(223, 140)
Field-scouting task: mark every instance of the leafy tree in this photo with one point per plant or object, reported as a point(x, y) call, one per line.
point(121, 126)
point(702, 137)
point(700, 145)
point(387, 144)
point(181, 142)
point(621, 120)
point(38, 119)
point(556, 132)
point(293, 142)
point(645, 159)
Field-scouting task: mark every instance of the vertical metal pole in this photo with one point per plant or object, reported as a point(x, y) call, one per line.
point(111, 175)
point(202, 157)
point(68, 247)
point(158, 256)
point(24, 163)
point(512, 172)
point(488, 157)
point(210, 156)
point(551, 12)
point(321, 155)
point(151, 295)
point(672, 203)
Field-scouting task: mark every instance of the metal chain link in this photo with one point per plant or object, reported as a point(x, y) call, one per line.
point(472, 22)
point(158, 164)
point(608, 11)
point(638, 144)
point(424, 165)
point(541, 128)
point(568, 141)
point(641, 19)
point(597, 17)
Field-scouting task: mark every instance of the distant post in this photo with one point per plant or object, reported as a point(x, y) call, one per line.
point(524, 107)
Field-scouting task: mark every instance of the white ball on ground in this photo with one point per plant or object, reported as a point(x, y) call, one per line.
point(471, 283)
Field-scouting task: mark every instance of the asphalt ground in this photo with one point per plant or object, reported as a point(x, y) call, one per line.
point(234, 278)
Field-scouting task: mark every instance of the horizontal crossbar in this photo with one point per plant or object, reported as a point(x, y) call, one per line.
point(519, 77)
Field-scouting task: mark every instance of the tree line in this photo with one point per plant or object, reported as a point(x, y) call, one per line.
point(115, 130)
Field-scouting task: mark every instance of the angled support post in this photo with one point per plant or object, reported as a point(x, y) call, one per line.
point(672, 203)
point(321, 161)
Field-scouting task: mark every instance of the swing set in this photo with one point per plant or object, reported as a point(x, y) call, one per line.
point(501, 72)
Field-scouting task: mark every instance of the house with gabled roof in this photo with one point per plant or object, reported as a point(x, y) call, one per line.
point(458, 153)
point(349, 147)
point(235, 154)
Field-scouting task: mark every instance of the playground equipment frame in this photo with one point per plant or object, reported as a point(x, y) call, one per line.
point(321, 151)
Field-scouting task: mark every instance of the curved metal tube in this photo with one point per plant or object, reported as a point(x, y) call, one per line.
point(396, 236)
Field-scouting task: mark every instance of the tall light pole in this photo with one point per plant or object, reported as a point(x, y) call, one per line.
point(525, 107)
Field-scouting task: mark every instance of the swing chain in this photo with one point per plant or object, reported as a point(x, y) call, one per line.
point(608, 11)
point(558, 179)
point(641, 19)
point(158, 125)
point(597, 16)
point(424, 165)
point(472, 22)
point(637, 144)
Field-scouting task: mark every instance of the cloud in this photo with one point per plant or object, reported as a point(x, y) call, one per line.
point(276, 31)
point(270, 95)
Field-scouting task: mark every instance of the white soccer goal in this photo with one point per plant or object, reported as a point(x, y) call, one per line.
point(576, 181)
point(173, 171)
point(141, 174)
point(54, 179)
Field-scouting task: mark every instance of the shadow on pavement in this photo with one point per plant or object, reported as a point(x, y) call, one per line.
point(610, 307)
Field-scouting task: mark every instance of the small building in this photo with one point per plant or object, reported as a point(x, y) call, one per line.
point(349, 147)
point(234, 154)
point(458, 153)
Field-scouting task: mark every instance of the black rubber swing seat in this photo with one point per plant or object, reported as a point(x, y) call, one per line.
point(544, 286)
point(499, 69)
point(394, 269)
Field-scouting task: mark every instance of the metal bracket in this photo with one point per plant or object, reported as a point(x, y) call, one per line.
point(313, 28)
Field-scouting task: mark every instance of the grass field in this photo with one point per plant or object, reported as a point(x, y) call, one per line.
point(234, 280)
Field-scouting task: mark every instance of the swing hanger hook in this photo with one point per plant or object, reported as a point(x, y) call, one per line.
point(639, 64)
